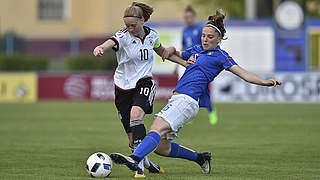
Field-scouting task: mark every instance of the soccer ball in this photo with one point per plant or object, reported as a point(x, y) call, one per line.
point(99, 165)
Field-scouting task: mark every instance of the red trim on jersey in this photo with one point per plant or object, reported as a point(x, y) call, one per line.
point(228, 59)
point(138, 84)
point(116, 47)
point(147, 31)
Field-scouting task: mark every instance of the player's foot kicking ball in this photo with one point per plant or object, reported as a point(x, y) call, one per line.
point(126, 160)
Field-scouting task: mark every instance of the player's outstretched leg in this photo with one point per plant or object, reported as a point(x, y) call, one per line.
point(150, 143)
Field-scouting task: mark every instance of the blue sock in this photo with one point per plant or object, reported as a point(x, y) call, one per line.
point(178, 151)
point(148, 144)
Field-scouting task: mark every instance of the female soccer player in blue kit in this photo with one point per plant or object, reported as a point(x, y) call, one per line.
point(190, 91)
point(191, 36)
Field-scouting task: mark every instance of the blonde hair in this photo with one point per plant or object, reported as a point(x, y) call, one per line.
point(139, 10)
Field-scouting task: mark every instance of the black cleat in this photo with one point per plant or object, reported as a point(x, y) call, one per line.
point(204, 160)
point(126, 160)
point(153, 168)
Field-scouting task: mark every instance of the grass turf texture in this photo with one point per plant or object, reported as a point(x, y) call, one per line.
point(52, 140)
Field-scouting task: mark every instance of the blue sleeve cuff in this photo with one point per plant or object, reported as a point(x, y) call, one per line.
point(185, 55)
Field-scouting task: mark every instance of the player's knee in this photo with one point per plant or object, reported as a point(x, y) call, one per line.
point(160, 126)
point(136, 113)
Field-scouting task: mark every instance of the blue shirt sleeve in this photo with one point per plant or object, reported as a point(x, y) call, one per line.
point(186, 54)
point(226, 60)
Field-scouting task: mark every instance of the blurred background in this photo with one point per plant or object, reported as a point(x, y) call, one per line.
point(48, 45)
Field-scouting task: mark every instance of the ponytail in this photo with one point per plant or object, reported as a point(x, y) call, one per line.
point(216, 22)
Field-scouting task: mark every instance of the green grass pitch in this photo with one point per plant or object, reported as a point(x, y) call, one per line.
point(52, 140)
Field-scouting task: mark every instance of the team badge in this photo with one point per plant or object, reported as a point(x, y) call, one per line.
point(119, 34)
point(151, 42)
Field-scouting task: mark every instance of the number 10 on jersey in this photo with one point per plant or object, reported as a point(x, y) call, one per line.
point(144, 54)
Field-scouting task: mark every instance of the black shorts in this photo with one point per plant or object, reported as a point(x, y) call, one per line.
point(142, 95)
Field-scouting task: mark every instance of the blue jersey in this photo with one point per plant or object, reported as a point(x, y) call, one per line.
point(191, 36)
point(196, 78)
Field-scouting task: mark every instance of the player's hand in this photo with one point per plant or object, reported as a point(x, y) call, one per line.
point(272, 82)
point(98, 51)
point(191, 60)
point(167, 52)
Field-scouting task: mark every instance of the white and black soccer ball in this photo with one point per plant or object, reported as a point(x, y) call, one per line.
point(99, 165)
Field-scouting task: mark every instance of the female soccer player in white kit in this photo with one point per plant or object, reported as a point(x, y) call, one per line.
point(134, 87)
point(190, 92)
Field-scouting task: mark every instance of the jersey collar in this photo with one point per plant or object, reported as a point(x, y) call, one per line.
point(210, 50)
point(147, 31)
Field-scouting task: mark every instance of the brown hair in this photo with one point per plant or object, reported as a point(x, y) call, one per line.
point(217, 21)
point(190, 9)
point(139, 10)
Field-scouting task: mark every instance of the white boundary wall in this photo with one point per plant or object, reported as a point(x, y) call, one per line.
point(297, 87)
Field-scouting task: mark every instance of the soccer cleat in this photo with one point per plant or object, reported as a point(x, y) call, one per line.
point(126, 160)
point(153, 168)
point(213, 118)
point(139, 174)
point(204, 160)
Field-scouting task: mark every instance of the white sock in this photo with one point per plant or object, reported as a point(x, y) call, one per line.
point(146, 162)
point(140, 166)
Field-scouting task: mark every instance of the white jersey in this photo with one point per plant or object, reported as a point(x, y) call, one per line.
point(134, 56)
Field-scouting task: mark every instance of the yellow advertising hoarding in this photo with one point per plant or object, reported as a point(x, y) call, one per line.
point(18, 87)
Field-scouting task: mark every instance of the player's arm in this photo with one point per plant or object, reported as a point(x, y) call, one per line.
point(162, 52)
point(252, 78)
point(171, 51)
point(99, 50)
